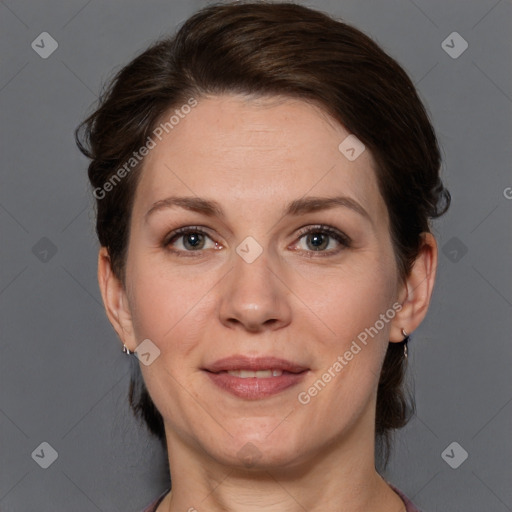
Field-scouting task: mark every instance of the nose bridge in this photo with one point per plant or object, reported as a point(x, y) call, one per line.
point(253, 295)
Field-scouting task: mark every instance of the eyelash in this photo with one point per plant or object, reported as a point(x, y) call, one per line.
point(340, 237)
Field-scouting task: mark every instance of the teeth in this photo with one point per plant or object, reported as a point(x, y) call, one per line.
point(260, 374)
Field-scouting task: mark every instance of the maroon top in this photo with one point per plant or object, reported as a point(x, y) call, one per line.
point(152, 506)
point(409, 506)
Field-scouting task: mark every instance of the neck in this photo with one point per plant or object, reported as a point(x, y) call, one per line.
point(341, 476)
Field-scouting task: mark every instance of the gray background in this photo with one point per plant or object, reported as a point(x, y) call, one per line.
point(63, 377)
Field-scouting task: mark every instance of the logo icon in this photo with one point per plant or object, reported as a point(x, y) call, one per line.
point(249, 250)
point(249, 454)
point(44, 45)
point(351, 147)
point(454, 455)
point(45, 455)
point(44, 250)
point(147, 352)
point(454, 45)
point(454, 250)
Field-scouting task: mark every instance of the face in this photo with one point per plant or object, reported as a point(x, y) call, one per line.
point(232, 265)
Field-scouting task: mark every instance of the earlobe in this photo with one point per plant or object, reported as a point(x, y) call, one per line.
point(416, 291)
point(115, 300)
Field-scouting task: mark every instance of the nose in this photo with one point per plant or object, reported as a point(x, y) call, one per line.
point(254, 296)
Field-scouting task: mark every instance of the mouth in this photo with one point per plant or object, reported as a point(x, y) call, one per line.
point(259, 374)
point(255, 378)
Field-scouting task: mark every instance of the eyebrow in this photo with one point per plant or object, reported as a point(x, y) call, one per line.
point(297, 207)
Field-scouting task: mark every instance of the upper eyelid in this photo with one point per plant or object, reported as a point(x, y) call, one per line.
point(321, 227)
point(300, 231)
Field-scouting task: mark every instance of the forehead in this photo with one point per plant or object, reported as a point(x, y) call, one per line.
point(251, 152)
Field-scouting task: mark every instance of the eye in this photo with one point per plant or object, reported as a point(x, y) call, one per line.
point(320, 239)
point(324, 239)
point(189, 239)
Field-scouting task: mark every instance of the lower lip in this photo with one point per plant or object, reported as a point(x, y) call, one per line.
point(254, 388)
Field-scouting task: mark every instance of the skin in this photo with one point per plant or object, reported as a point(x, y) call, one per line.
point(254, 157)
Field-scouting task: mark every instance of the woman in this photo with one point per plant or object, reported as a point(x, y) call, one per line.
point(265, 182)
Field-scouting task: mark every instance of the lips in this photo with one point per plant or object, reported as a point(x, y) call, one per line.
point(255, 378)
point(254, 364)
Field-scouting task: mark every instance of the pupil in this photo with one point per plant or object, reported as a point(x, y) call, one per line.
point(317, 240)
point(193, 239)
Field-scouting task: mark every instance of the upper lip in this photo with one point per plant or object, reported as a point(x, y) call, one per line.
point(239, 362)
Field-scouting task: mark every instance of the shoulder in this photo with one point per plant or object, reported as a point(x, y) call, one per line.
point(154, 504)
point(409, 505)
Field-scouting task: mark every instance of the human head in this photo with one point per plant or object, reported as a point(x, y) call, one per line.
point(273, 50)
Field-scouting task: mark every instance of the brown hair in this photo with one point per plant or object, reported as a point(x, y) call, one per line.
point(275, 49)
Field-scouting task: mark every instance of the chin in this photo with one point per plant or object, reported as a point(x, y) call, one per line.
point(261, 449)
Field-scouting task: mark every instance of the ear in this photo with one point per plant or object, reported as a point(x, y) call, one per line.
point(416, 291)
point(115, 300)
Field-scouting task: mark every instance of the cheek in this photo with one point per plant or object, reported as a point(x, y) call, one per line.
point(348, 302)
point(172, 310)
point(350, 357)
point(355, 312)
point(169, 306)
